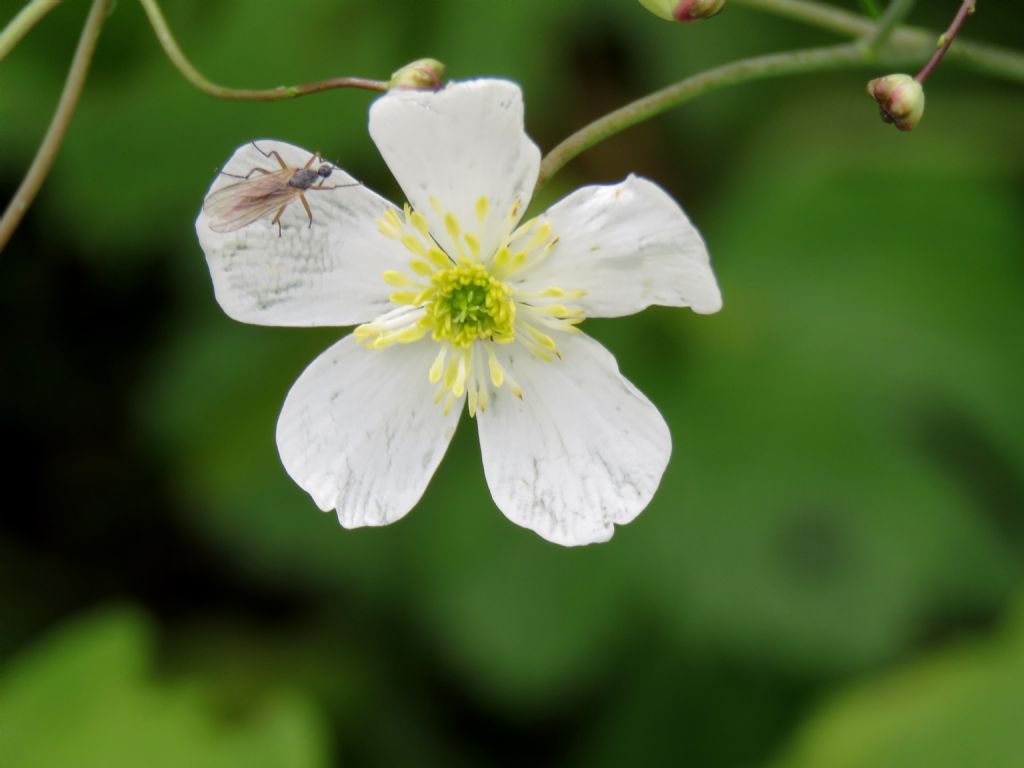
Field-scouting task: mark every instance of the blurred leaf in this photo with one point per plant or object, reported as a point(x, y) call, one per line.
point(835, 425)
point(957, 707)
point(86, 696)
point(870, 8)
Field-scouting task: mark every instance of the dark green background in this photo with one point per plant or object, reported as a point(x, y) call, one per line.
point(830, 574)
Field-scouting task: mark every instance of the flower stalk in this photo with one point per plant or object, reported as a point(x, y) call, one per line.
point(946, 40)
point(886, 39)
point(47, 151)
point(987, 59)
point(894, 15)
point(23, 21)
point(197, 79)
point(745, 70)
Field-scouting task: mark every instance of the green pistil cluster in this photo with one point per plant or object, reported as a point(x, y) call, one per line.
point(467, 305)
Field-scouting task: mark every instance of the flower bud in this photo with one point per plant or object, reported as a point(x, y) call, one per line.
point(683, 10)
point(420, 75)
point(900, 100)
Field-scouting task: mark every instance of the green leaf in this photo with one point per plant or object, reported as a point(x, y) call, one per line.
point(86, 696)
point(957, 707)
point(871, 8)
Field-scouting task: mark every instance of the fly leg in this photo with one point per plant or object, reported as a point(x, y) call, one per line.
point(306, 206)
point(272, 153)
point(277, 218)
point(249, 174)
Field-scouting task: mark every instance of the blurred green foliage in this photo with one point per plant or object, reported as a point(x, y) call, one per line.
point(845, 500)
point(960, 707)
point(87, 698)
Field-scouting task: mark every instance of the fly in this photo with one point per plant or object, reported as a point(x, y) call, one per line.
point(239, 205)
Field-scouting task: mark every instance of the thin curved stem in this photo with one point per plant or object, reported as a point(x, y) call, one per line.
point(989, 59)
point(196, 78)
point(895, 13)
point(745, 70)
point(886, 39)
point(816, 15)
point(47, 151)
point(946, 40)
point(23, 21)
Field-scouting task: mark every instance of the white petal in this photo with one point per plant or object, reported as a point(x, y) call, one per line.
point(325, 274)
point(458, 145)
point(360, 432)
point(582, 451)
point(628, 245)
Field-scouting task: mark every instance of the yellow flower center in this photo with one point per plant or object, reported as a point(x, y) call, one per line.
point(465, 304)
point(468, 301)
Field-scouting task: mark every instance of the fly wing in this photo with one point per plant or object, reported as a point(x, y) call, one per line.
point(239, 205)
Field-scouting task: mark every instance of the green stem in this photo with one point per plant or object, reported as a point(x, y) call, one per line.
point(196, 78)
point(815, 14)
point(987, 59)
point(899, 46)
point(47, 151)
point(745, 70)
point(946, 40)
point(25, 19)
point(894, 15)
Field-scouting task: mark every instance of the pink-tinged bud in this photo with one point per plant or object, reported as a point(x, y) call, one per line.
point(683, 10)
point(420, 75)
point(900, 100)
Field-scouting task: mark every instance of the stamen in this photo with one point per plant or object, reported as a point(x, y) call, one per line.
point(496, 371)
point(397, 279)
point(462, 300)
point(437, 366)
point(419, 221)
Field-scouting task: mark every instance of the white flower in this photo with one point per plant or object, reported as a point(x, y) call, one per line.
point(459, 302)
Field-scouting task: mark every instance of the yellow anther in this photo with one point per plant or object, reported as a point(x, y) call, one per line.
point(439, 258)
point(421, 267)
point(523, 229)
point(413, 244)
point(459, 384)
point(496, 371)
point(451, 225)
point(451, 371)
point(397, 279)
point(542, 234)
point(558, 310)
point(406, 297)
point(410, 334)
point(419, 221)
point(502, 257)
point(437, 367)
point(482, 204)
point(542, 338)
point(474, 246)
